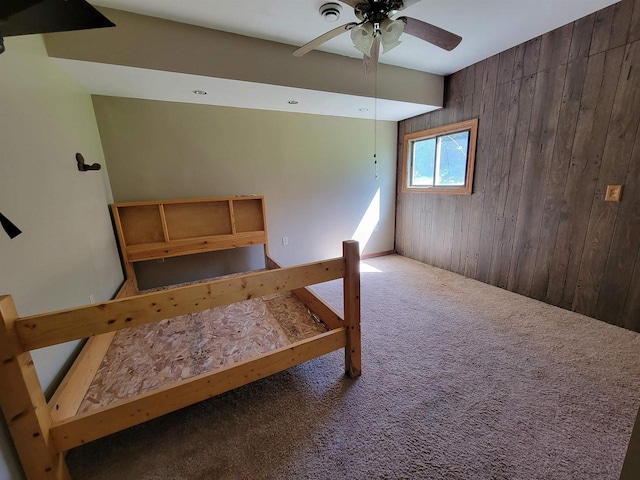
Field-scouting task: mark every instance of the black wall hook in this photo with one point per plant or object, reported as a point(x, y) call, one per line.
point(83, 167)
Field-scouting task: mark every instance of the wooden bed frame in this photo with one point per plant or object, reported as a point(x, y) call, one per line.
point(43, 431)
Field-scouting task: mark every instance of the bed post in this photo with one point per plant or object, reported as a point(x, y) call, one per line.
point(631, 466)
point(351, 254)
point(24, 405)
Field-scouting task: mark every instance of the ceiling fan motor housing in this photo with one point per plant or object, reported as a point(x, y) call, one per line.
point(330, 11)
point(377, 10)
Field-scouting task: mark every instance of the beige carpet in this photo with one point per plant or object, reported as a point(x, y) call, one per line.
point(460, 381)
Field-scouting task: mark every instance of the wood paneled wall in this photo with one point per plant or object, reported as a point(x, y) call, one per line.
point(558, 122)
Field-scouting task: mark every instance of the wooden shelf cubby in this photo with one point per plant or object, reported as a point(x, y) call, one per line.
point(168, 228)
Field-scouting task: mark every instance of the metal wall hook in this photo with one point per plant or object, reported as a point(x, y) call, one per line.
point(83, 167)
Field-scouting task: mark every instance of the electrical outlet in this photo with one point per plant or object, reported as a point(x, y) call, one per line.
point(614, 193)
point(92, 299)
point(285, 240)
point(376, 228)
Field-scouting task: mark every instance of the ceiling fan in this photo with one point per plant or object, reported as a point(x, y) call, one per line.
point(25, 17)
point(377, 27)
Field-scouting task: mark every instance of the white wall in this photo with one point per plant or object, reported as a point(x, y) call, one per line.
point(67, 250)
point(316, 172)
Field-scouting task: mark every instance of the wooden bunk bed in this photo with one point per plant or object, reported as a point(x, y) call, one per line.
point(42, 432)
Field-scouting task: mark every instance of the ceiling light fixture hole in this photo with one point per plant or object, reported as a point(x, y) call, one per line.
point(293, 102)
point(200, 92)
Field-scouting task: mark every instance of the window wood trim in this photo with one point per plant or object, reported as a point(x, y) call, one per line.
point(472, 126)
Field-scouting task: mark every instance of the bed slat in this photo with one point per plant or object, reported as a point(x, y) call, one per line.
point(127, 413)
point(82, 322)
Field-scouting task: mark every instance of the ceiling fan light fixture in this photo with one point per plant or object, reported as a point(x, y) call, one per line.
point(362, 37)
point(390, 33)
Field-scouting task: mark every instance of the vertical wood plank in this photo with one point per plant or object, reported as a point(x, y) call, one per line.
point(531, 57)
point(490, 78)
point(597, 243)
point(494, 157)
point(475, 212)
point(163, 221)
point(521, 96)
point(353, 349)
point(554, 47)
point(469, 82)
point(458, 265)
point(544, 120)
point(621, 22)
point(602, 30)
point(505, 66)
point(556, 182)
point(478, 83)
point(518, 62)
point(634, 28)
point(581, 40)
point(23, 404)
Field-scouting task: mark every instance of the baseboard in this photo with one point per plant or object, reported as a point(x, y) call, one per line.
point(378, 254)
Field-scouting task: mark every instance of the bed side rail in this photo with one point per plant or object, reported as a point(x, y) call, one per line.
point(69, 395)
point(330, 317)
point(82, 322)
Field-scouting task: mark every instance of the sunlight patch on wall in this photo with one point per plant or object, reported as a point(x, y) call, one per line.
point(368, 223)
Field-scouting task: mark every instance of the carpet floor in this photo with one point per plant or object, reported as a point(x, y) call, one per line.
point(460, 380)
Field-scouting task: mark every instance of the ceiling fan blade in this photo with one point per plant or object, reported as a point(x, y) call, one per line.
point(11, 7)
point(316, 42)
point(54, 16)
point(430, 33)
point(9, 227)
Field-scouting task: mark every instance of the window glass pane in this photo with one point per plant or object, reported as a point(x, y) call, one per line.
point(452, 159)
point(424, 155)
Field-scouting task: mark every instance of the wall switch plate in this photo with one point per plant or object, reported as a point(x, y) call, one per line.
point(285, 240)
point(614, 193)
point(92, 299)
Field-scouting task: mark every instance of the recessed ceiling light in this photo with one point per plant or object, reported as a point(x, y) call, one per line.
point(200, 92)
point(364, 109)
point(293, 102)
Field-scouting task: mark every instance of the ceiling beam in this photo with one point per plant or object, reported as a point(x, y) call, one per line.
point(158, 44)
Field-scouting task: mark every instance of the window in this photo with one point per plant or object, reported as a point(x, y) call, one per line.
point(440, 160)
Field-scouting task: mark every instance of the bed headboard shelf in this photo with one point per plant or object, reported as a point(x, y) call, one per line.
point(168, 228)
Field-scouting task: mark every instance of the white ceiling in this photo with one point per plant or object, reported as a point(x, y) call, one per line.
point(486, 26)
